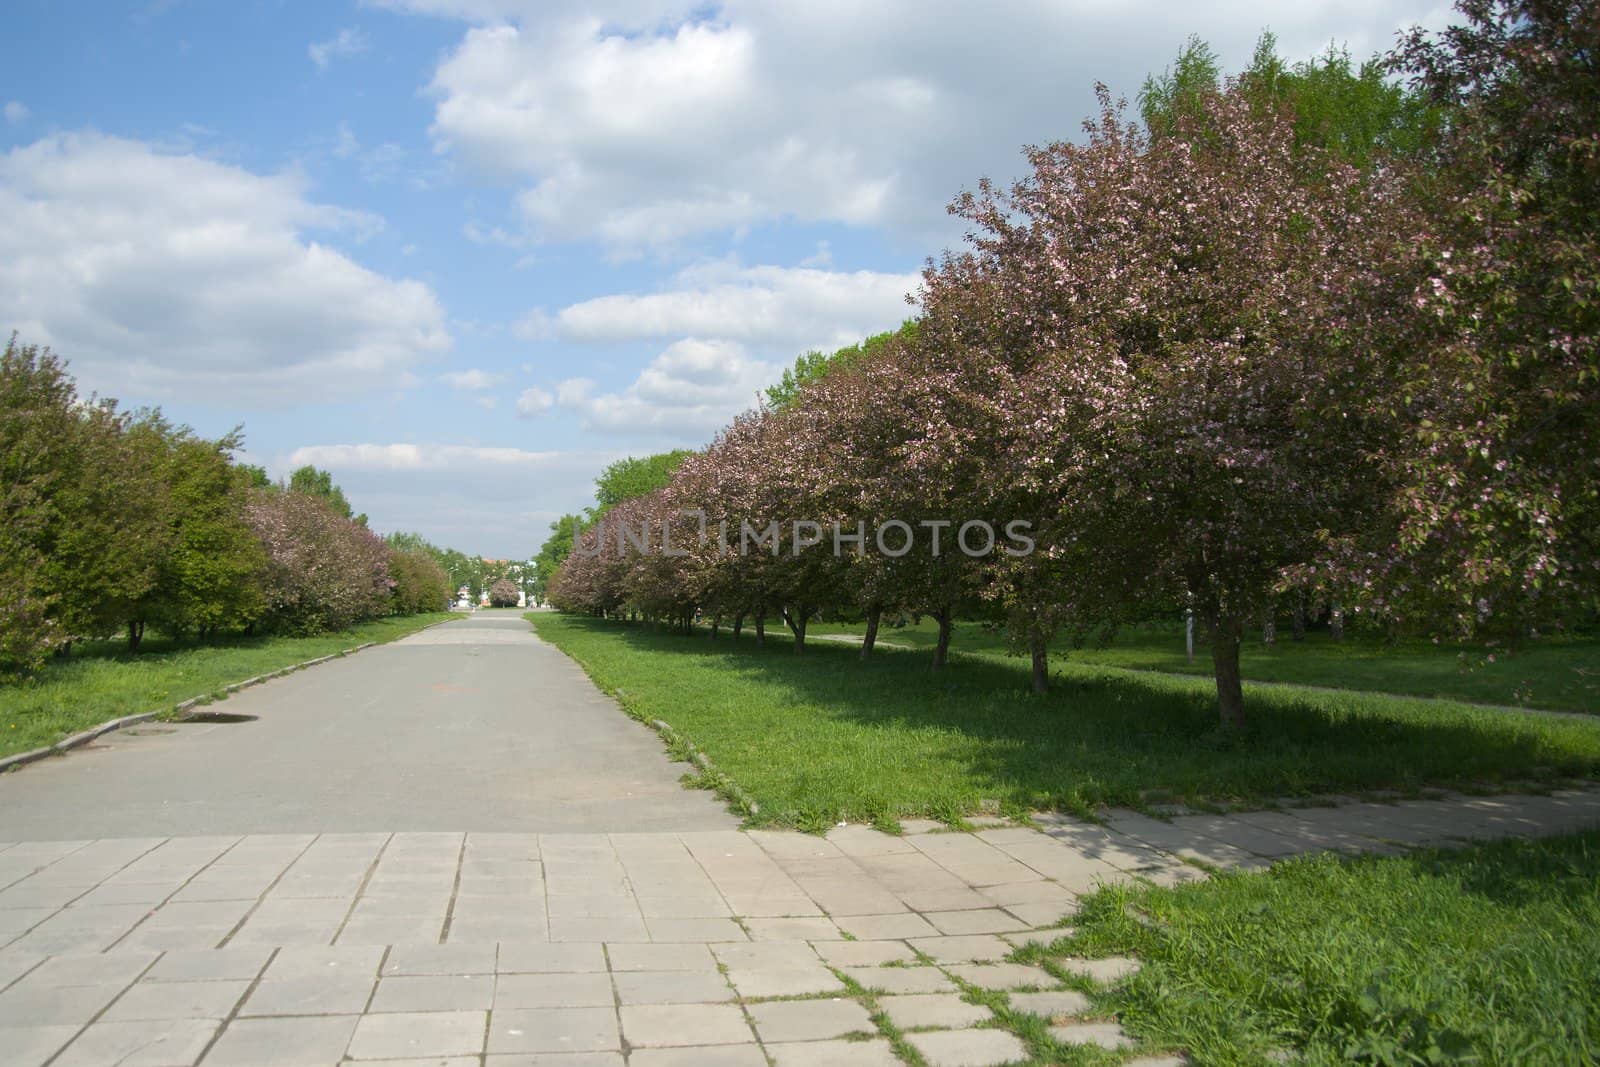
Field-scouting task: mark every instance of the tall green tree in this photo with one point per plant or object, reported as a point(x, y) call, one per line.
point(814, 365)
point(319, 483)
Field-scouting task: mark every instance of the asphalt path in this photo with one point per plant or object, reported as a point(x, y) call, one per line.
point(472, 725)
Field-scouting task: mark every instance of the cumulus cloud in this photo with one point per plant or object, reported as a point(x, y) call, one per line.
point(472, 380)
point(653, 121)
point(685, 393)
point(347, 42)
point(174, 276)
point(16, 112)
point(534, 402)
point(785, 309)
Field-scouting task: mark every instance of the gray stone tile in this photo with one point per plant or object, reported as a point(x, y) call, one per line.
point(177, 938)
point(28, 1004)
point(598, 929)
point(1108, 970)
point(967, 949)
point(549, 1059)
point(834, 1054)
point(31, 1046)
point(801, 929)
point(701, 1056)
point(810, 1020)
point(967, 1048)
point(156, 1001)
point(417, 1034)
point(111, 968)
point(517, 991)
point(766, 956)
point(439, 960)
point(1003, 976)
point(784, 982)
point(671, 987)
point(1051, 1005)
point(902, 979)
point(318, 994)
point(299, 961)
point(975, 921)
point(660, 1026)
point(661, 957)
point(162, 1043)
point(884, 927)
point(532, 958)
point(212, 965)
point(282, 1042)
point(863, 953)
point(1104, 1035)
point(434, 993)
point(681, 930)
point(554, 1030)
point(945, 1011)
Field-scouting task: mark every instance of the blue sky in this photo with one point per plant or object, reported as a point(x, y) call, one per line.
point(463, 253)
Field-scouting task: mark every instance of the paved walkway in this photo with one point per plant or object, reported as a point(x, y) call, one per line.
point(475, 724)
point(329, 942)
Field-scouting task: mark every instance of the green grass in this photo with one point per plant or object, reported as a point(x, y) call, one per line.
point(823, 737)
point(1488, 954)
point(1560, 673)
point(100, 681)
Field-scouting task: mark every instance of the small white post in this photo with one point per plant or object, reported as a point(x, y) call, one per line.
point(1188, 632)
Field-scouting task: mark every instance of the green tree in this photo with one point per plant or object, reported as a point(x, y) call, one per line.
point(319, 483)
point(211, 580)
point(1355, 113)
point(627, 479)
point(812, 366)
point(37, 449)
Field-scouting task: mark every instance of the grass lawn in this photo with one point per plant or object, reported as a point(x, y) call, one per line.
point(823, 737)
point(1560, 673)
point(1488, 954)
point(100, 681)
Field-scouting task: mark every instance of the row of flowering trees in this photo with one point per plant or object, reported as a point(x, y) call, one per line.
point(1206, 363)
point(114, 522)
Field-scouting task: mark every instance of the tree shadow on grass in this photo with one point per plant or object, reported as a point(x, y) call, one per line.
point(1099, 737)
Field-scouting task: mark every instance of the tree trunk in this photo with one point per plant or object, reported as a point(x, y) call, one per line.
point(738, 625)
point(797, 623)
point(716, 624)
point(1269, 628)
point(874, 614)
point(1039, 650)
point(1225, 633)
point(1299, 617)
point(761, 626)
point(941, 651)
point(135, 635)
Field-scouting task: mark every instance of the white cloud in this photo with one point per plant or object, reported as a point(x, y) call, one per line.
point(652, 121)
point(170, 276)
point(347, 42)
point(418, 457)
point(685, 393)
point(783, 309)
point(534, 402)
point(497, 501)
point(574, 392)
point(472, 379)
point(16, 112)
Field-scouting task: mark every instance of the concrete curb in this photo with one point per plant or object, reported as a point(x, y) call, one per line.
point(66, 744)
point(721, 783)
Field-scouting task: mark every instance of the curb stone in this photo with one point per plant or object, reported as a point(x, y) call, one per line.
point(722, 783)
point(66, 744)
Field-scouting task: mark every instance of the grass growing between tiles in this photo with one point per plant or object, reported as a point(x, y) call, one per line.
point(101, 681)
point(822, 737)
point(1485, 954)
